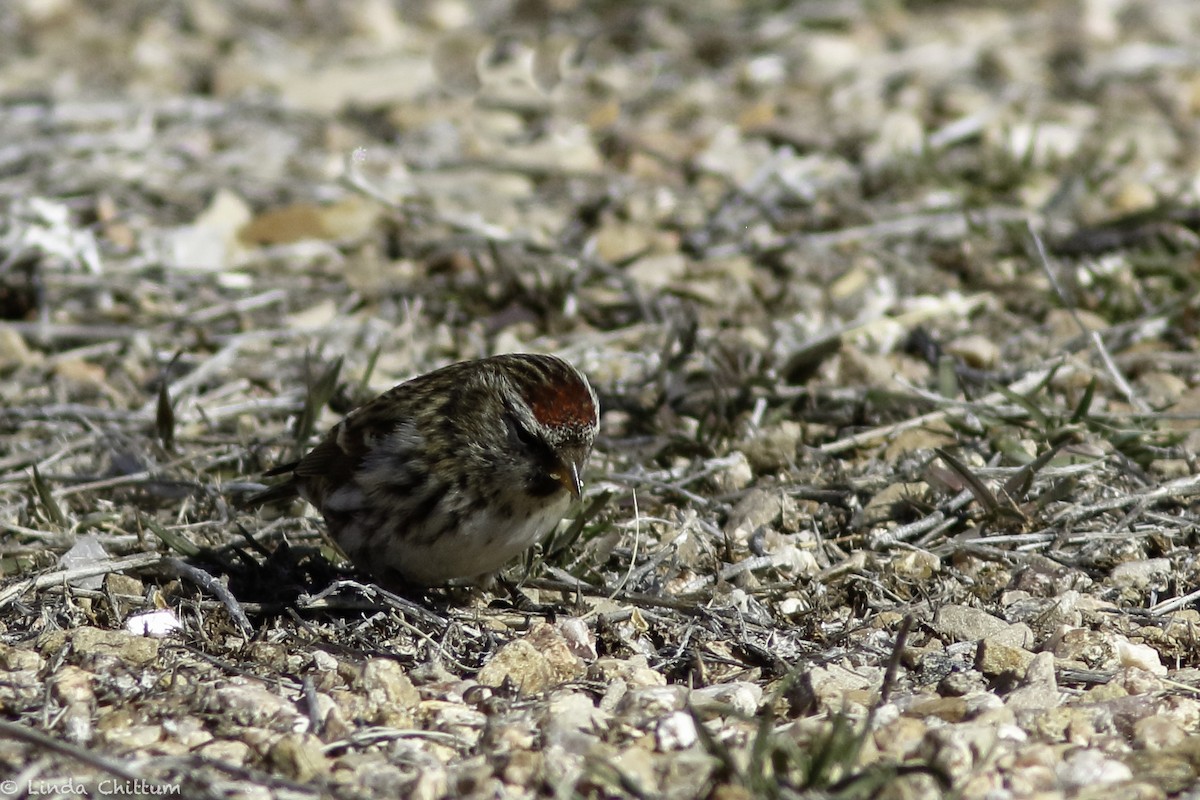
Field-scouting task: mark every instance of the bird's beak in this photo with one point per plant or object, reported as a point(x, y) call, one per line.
point(568, 474)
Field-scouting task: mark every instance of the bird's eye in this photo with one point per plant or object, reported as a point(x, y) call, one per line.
point(525, 437)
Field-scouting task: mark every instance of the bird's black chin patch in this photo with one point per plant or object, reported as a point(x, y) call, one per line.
point(542, 484)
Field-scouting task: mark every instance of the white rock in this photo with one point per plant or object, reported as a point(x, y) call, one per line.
point(578, 637)
point(153, 623)
point(1146, 573)
point(741, 696)
point(1089, 768)
point(676, 732)
point(1142, 656)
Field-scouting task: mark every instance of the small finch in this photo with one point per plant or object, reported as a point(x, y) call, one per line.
point(454, 473)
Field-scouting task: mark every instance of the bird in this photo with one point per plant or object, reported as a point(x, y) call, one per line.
point(449, 476)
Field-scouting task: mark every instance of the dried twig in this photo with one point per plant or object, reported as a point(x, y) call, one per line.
point(1020, 386)
point(1179, 489)
point(214, 587)
point(1094, 337)
point(135, 561)
point(24, 733)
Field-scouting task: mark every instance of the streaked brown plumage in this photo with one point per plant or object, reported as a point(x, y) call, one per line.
point(454, 473)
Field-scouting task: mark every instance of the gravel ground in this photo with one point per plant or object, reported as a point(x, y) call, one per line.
point(891, 309)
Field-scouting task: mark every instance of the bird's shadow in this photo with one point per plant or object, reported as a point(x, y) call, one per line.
point(258, 584)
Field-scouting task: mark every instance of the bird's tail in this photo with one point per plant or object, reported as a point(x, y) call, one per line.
point(279, 493)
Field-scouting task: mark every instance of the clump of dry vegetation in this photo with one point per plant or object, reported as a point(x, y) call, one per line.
point(891, 309)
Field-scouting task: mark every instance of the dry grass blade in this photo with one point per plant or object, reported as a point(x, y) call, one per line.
point(1097, 341)
point(171, 539)
point(369, 370)
point(320, 390)
point(46, 497)
point(1031, 382)
point(1024, 401)
point(1018, 484)
point(893, 664)
point(164, 418)
point(567, 539)
point(1085, 402)
point(164, 411)
point(982, 494)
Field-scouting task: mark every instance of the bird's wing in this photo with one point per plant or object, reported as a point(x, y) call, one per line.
point(334, 461)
